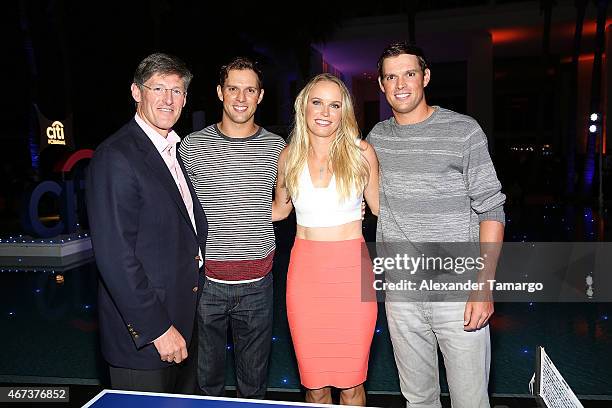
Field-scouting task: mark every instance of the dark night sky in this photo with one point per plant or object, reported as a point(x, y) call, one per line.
point(85, 53)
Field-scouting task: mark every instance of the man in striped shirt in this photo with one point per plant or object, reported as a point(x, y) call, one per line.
point(232, 165)
point(437, 185)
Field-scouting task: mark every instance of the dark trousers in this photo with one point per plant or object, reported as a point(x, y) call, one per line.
point(176, 379)
point(247, 309)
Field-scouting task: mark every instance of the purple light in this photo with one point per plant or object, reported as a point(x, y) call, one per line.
point(589, 165)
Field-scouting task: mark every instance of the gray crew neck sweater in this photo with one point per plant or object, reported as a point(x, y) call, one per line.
point(437, 180)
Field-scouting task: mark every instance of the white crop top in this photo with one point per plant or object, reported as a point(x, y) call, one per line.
point(321, 206)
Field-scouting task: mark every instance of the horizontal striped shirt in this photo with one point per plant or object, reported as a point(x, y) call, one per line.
point(234, 179)
point(437, 180)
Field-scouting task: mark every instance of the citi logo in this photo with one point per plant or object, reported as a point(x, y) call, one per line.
point(55, 133)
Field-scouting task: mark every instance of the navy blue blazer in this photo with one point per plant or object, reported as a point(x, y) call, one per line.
point(145, 248)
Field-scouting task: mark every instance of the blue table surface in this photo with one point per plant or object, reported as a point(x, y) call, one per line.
point(112, 399)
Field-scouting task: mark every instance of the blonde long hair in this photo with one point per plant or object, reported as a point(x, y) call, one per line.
point(350, 169)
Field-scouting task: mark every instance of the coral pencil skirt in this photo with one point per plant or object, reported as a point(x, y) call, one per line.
point(331, 324)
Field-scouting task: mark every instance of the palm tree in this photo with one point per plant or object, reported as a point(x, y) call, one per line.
point(546, 7)
point(570, 183)
point(589, 165)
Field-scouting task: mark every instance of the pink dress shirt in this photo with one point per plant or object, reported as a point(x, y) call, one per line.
point(166, 146)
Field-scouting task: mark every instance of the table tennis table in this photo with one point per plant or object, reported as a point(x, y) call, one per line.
point(120, 399)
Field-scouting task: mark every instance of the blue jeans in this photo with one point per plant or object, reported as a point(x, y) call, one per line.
point(247, 308)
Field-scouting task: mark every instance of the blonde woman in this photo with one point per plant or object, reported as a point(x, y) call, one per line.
point(325, 172)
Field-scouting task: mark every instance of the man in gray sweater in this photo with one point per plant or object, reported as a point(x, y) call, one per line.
point(437, 184)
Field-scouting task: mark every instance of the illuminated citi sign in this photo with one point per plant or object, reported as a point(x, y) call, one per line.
point(55, 134)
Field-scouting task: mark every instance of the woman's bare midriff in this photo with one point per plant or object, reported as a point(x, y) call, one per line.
point(350, 230)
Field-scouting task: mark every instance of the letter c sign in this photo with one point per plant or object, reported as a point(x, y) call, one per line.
point(66, 193)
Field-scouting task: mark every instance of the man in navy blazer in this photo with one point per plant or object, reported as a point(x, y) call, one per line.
point(149, 233)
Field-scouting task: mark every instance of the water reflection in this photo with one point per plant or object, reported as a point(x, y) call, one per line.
point(52, 325)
